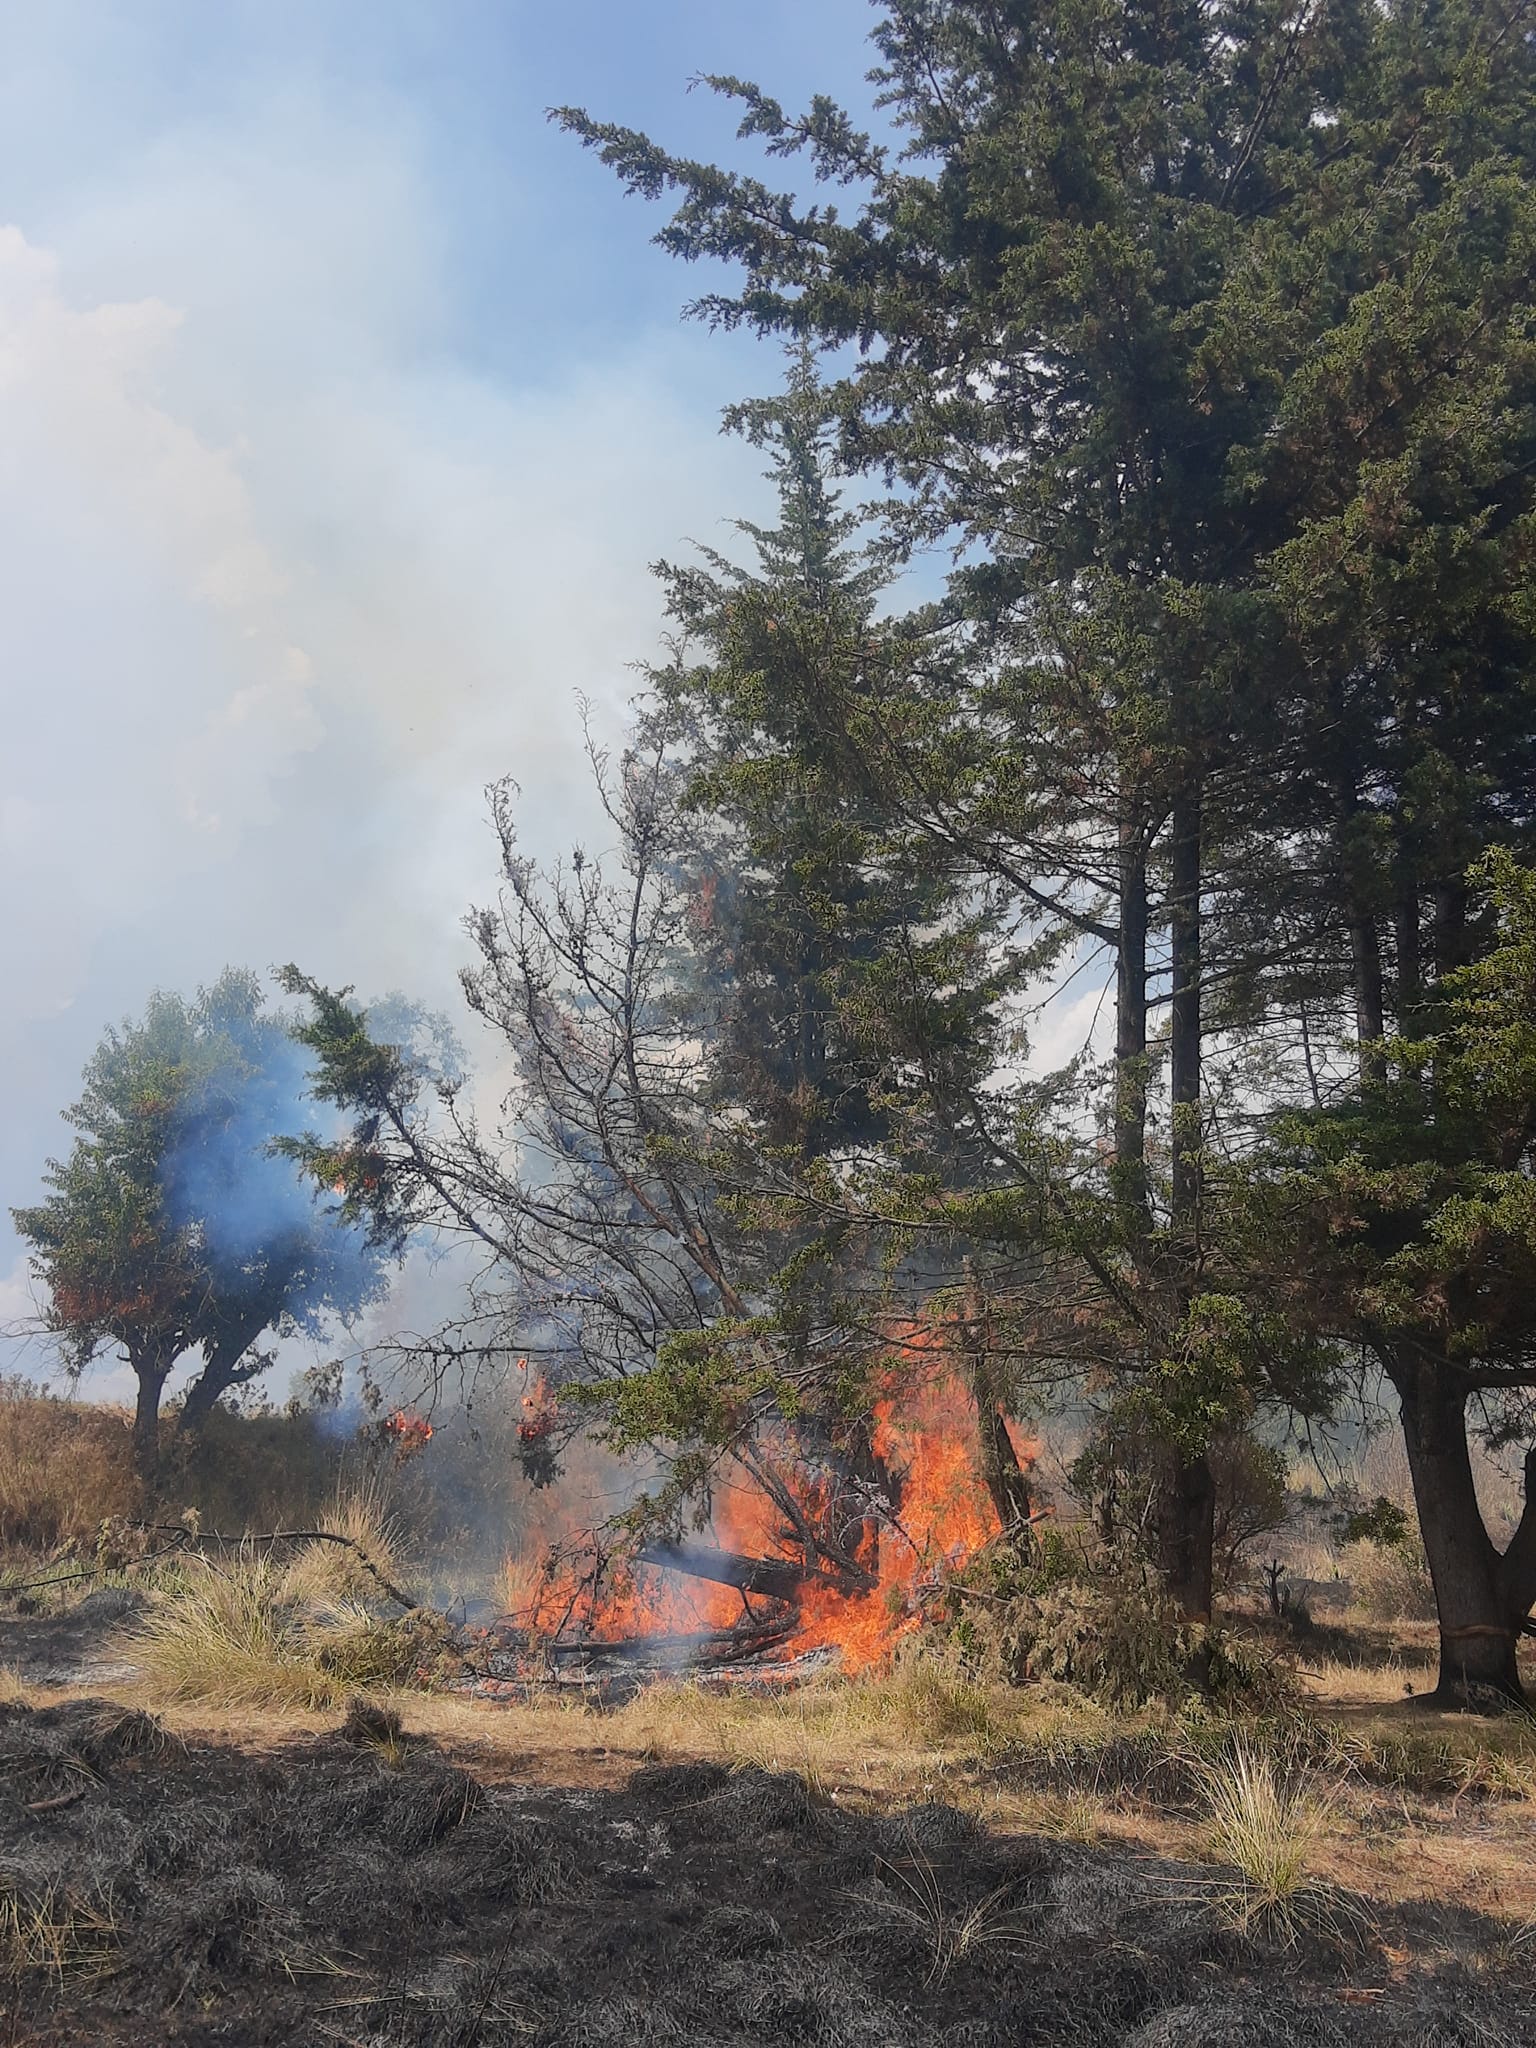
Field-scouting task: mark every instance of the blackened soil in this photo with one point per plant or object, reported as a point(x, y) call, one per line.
point(80, 1647)
point(336, 1892)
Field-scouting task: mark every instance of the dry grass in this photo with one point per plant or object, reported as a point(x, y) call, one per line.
point(336, 1572)
point(1265, 1825)
point(53, 1932)
point(67, 1466)
point(225, 1636)
point(237, 1633)
point(64, 1467)
point(908, 1718)
point(14, 1690)
point(1389, 1582)
point(519, 1581)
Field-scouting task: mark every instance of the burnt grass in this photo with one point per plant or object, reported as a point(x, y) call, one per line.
point(361, 1888)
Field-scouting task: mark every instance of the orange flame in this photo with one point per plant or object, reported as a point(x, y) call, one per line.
point(923, 1432)
point(408, 1431)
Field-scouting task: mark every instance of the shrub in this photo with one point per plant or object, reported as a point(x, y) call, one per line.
point(1391, 1580)
point(1105, 1626)
point(1382, 1521)
point(1115, 1637)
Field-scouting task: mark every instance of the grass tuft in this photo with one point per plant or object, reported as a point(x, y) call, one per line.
point(369, 1725)
point(226, 1637)
point(911, 1894)
point(233, 1635)
point(14, 1690)
point(1265, 1824)
point(331, 1573)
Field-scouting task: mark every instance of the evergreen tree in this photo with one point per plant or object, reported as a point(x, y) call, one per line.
point(1407, 1213)
point(839, 947)
point(175, 1225)
point(1193, 327)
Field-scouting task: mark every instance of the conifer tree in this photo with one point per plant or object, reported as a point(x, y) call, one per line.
point(1195, 327)
point(1400, 1220)
point(840, 946)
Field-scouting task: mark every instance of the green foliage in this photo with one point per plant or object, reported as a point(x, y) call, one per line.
point(172, 1225)
point(833, 942)
point(1415, 1194)
point(1104, 1624)
point(1383, 1522)
point(702, 1389)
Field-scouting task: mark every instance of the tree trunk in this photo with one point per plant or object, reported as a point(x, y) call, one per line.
point(1409, 945)
point(1130, 1170)
point(1450, 925)
point(775, 1577)
point(229, 1362)
point(1184, 1036)
point(871, 1479)
point(1186, 1531)
point(1185, 1519)
point(1355, 860)
point(1370, 1008)
point(151, 1373)
point(1005, 1479)
point(201, 1397)
point(1481, 1597)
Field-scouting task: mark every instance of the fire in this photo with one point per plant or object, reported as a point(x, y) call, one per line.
point(408, 1431)
point(923, 1434)
point(535, 1431)
point(945, 1517)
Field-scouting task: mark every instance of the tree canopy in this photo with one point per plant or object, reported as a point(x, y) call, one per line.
point(175, 1224)
point(1203, 335)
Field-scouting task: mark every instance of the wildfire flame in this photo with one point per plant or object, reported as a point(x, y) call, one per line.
point(407, 1430)
point(923, 1432)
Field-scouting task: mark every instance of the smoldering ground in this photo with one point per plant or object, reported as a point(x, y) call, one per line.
point(363, 1887)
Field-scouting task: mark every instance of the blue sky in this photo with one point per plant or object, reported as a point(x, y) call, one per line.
point(537, 258)
point(343, 403)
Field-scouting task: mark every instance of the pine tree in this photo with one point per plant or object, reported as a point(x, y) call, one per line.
point(1405, 1212)
point(839, 946)
point(1165, 316)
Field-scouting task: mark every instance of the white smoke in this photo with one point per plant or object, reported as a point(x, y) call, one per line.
point(273, 614)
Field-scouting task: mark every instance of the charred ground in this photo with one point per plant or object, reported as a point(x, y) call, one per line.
point(361, 1886)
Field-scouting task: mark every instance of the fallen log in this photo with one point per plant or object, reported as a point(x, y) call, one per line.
point(780, 1578)
point(596, 1653)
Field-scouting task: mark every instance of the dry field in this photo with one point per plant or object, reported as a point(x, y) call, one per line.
point(898, 1862)
point(202, 1841)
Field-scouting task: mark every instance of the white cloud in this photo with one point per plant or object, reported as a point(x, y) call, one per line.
point(1071, 1021)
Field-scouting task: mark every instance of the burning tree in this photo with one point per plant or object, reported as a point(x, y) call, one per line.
point(713, 1032)
point(596, 1199)
point(633, 1235)
point(175, 1225)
